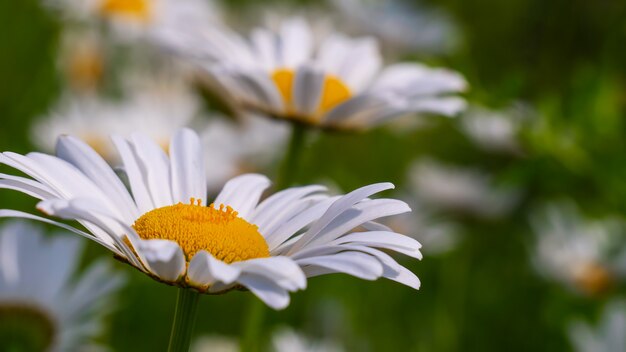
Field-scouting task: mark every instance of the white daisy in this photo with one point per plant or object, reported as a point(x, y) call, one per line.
point(581, 254)
point(436, 235)
point(338, 83)
point(138, 18)
point(41, 306)
point(165, 228)
point(288, 340)
point(460, 189)
point(608, 336)
point(157, 109)
point(495, 131)
point(401, 26)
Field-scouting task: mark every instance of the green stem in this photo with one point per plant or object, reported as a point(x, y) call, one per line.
point(289, 167)
point(184, 320)
point(253, 323)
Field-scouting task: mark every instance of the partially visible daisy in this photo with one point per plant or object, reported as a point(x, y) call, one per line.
point(436, 235)
point(607, 336)
point(157, 109)
point(131, 19)
point(333, 82)
point(288, 340)
point(460, 189)
point(82, 60)
point(215, 343)
point(401, 26)
point(248, 145)
point(42, 308)
point(581, 254)
point(166, 228)
point(495, 131)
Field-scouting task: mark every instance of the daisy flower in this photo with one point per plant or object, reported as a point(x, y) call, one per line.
point(156, 108)
point(42, 308)
point(166, 228)
point(459, 189)
point(581, 254)
point(333, 82)
point(400, 26)
point(131, 19)
point(288, 340)
point(608, 336)
point(495, 131)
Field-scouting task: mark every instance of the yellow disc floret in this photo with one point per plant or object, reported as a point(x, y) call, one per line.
point(194, 227)
point(138, 9)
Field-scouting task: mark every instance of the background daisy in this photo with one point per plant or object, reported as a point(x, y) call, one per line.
point(44, 303)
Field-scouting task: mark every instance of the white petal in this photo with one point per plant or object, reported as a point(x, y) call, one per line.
point(242, 193)
point(357, 215)
point(282, 270)
point(296, 42)
point(204, 270)
point(357, 264)
point(307, 89)
point(135, 173)
point(270, 209)
point(157, 170)
point(384, 239)
point(337, 208)
point(417, 79)
point(27, 186)
point(164, 258)
point(277, 237)
point(5, 213)
point(97, 170)
point(266, 290)
point(102, 223)
point(187, 167)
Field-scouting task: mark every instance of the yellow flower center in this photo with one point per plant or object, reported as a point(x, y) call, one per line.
point(334, 92)
point(194, 227)
point(138, 9)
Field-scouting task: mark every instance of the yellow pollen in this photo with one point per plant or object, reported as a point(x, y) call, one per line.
point(194, 227)
point(139, 9)
point(334, 91)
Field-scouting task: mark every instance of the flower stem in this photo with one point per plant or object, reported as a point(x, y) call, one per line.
point(184, 320)
point(289, 167)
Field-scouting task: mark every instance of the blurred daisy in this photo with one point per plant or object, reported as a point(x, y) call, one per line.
point(82, 60)
point(138, 18)
point(157, 109)
point(288, 340)
point(247, 145)
point(215, 343)
point(581, 254)
point(436, 235)
point(460, 189)
point(495, 131)
point(41, 307)
point(402, 27)
point(608, 336)
point(168, 230)
point(339, 83)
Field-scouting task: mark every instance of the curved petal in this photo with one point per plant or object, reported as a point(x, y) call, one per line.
point(266, 290)
point(85, 159)
point(282, 270)
point(357, 215)
point(357, 264)
point(165, 259)
point(204, 270)
point(242, 193)
point(187, 167)
point(337, 208)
